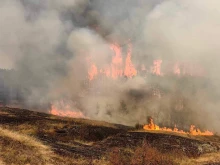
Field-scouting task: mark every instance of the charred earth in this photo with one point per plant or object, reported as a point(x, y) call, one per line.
point(37, 138)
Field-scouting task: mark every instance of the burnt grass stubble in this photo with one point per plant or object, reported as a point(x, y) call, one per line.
point(104, 138)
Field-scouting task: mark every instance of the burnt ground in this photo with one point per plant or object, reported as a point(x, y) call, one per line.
point(93, 139)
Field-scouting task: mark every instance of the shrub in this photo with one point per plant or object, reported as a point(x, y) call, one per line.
point(119, 157)
point(142, 155)
point(146, 155)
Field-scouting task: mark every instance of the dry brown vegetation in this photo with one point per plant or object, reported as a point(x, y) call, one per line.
point(28, 137)
point(147, 155)
point(143, 155)
point(19, 149)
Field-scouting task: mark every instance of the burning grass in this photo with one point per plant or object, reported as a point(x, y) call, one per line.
point(192, 131)
point(47, 139)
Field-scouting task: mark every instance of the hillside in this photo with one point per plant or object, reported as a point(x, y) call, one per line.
point(28, 137)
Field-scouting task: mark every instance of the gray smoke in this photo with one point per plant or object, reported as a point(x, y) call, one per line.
point(48, 43)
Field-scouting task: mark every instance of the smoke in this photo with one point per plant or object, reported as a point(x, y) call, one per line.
point(52, 43)
point(187, 31)
point(33, 36)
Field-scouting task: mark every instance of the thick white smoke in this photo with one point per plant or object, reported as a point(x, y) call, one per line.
point(50, 43)
point(188, 31)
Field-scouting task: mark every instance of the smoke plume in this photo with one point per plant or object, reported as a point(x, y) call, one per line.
point(50, 44)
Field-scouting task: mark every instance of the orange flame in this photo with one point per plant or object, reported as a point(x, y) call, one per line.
point(193, 131)
point(117, 62)
point(130, 70)
point(65, 110)
point(143, 68)
point(106, 71)
point(117, 68)
point(176, 69)
point(156, 69)
point(187, 68)
point(93, 71)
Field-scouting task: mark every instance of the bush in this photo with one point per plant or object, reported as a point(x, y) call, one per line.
point(146, 155)
point(142, 155)
point(119, 157)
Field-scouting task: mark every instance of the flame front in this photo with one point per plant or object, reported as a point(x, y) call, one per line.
point(176, 69)
point(117, 68)
point(120, 66)
point(123, 66)
point(93, 71)
point(192, 131)
point(156, 69)
point(117, 62)
point(130, 70)
point(65, 110)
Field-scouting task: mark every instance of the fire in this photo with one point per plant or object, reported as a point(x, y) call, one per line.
point(188, 68)
point(106, 71)
point(143, 68)
point(93, 71)
point(192, 131)
point(64, 109)
point(117, 62)
point(156, 69)
point(121, 65)
point(176, 69)
point(117, 68)
point(130, 70)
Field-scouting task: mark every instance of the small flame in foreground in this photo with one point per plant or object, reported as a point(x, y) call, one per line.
point(193, 130)
point(65, 110)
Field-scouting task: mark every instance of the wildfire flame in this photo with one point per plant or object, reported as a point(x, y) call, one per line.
point(93, 71)
point(156, 69)
point(117, 68)
point(65, 110)
point(192, 131)
point(191, 69)
point(117, 62)
point(130, 70)
point(177, 69)
point(120, 67)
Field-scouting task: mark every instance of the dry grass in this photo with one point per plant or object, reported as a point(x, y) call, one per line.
point(16, 148)
point(143, 155)
point(84, 121)
point(20, 149)
point(27, 129)
point(19, 144)
point(146, 155)
point(168, 133)
point(210, 158)
point(83, 142)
